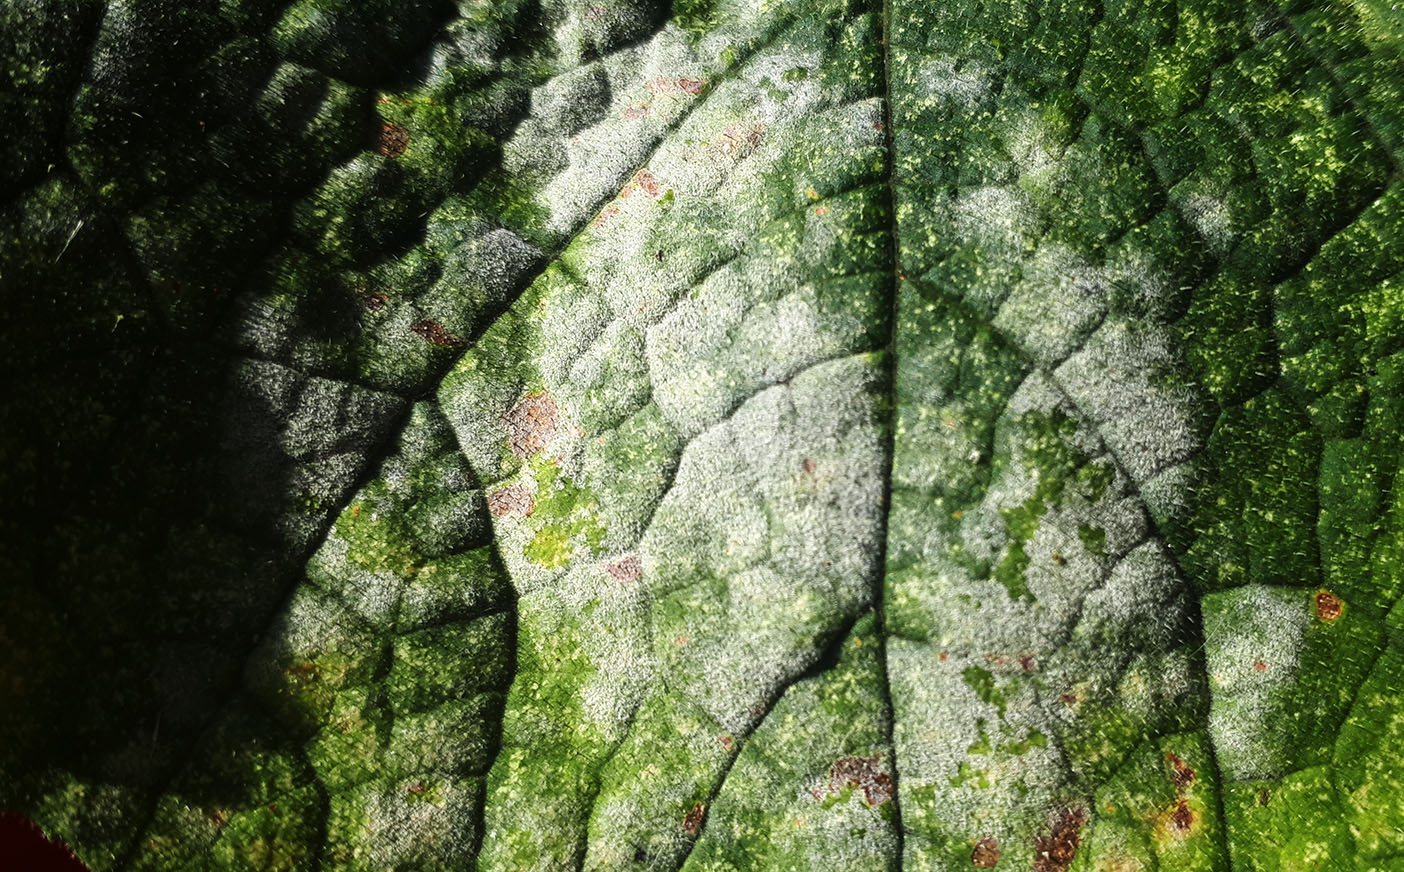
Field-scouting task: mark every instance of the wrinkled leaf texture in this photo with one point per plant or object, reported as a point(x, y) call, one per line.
point(733, 435)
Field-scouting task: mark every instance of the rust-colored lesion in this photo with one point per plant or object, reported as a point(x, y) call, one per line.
point(393, 139)
point(862, 773)
point(692, 821)
point(1056, 850)
point(531, 423)
point(513, 499)
point(434, 333)
point(626, 568)
point(985, 854)
point(1181, 773)
point(1328, 605)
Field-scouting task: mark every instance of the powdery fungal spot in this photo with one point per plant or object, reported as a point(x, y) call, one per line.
point(865, 774)
point(1055, 852)
point(1328, 606)
point(531, 423)
point(625, 568)
point(511, 500)
point(434, 333)
point(393, 140)
point(692, 822)
point(986, 853)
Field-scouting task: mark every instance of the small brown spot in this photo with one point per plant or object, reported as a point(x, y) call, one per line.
point(531, 423)
point(1026, 662)
point(1180, 772)
point(658, 255)
point(877, 125)
point(1182, 818)
point(434, 333)
point(1059, 559)
point(636, 112)
point(864, 773)
point(218, 818)
point(645, 181)
point(627, 568)
point(682, 640)
point(986, 853)
point(691, 87)
point(511, 500)
point(693, 821)
point(943, 656)
point(1328, 606)
point(1264, 796)
point(375, 302)
point(605, 214)
point(1055, 851)
point(727, 742)
point(418, 788)
point(273, 808)
point(810, 465)
point(1260, 666)
point(1068, 698)
point(393, 140)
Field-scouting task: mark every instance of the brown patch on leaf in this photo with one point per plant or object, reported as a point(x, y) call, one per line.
point(1055, 851)
point(393, 139)
point(692, 822)
point(737, 142)
point(1264, 796)
point(418, 788)
point(434, 333)
point(531, 423)
point(645, 181)
point(627, 568)
point(1328, 606)
point(727, 742)
point(1182, 818)
point(514, 499)
point(605, 214)
point(375, 302)
point(810, 465)
point(1027, 663)
point(636, 112)
point(863, 773)
point(664, 85)
point(1181, 773)
point(986, 853)
point(1260, 665)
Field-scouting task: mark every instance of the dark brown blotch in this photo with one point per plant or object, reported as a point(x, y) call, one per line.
point(863, 773)
point(1055, 851)
point(393, 139)
point(1328, 606)
point(531, 423)
point(1181, 773)
point(986, 853)
point(434, 333)
point(692, 821)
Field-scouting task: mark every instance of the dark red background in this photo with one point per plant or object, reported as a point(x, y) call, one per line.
point(23, 848)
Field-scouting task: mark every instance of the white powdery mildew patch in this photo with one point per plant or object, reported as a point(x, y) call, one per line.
point(948, 738)
point(762, 552)
point(1254, 637)
point(936, 81)
point(430, 820)
point(781, 505)
point(1123, 379)
point(1057, 303)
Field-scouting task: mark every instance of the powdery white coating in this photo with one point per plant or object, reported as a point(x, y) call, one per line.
point(431, 819)
point(1058, 302)
point(939, 718)
point(1123, 378)
point(936, 81)
point(760, 554)
point(1002, 222)
point(1253, 641)
point(1210, 216)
